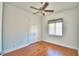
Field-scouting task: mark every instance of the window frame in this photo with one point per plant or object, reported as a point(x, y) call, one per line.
point(55, 21)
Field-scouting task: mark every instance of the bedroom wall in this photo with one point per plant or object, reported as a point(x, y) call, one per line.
point(70, 38)
point(1, 6)
point(20, 28)
point(78, 29)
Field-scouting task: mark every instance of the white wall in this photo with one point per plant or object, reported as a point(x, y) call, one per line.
point(1, 6)
point(69, 38)
point(18, 25)
point(78, 29)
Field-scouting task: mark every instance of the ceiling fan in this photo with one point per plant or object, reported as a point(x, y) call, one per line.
point(42, 9)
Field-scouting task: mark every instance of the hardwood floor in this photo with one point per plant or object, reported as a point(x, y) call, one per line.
point(43, 49)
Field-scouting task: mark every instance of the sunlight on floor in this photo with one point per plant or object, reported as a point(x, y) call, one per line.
point(54, 53)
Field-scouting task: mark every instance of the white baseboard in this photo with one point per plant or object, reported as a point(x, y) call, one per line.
point(17, 48)
point(61, 44)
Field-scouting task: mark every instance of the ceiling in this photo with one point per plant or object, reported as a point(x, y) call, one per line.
point(57, 6)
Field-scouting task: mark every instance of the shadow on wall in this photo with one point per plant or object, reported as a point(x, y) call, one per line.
point(32, 37)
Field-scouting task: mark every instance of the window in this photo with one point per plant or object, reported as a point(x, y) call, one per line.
point(55, 27)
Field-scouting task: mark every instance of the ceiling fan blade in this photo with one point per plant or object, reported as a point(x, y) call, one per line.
point(34, 8)
point(35, 12)
point(49, 10)
point(45, 5)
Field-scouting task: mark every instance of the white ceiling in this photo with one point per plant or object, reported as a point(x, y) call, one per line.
point(57, 6)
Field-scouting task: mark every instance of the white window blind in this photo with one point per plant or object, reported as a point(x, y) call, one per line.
point(59, 28)
point(55, 27)
point(52, 29)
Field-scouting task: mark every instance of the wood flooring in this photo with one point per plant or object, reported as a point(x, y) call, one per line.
point(43, 49)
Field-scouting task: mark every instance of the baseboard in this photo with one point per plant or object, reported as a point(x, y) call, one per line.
point(61, 45)
point(5, 52)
